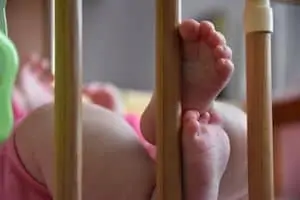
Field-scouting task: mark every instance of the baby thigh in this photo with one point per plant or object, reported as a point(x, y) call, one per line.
point(115, 165)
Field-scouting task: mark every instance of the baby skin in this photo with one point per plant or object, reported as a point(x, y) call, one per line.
point(207, 69)
point(114, 159)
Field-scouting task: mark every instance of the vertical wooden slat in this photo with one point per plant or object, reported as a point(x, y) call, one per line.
point(259, 105)
point(68, 133)
point(169, 176)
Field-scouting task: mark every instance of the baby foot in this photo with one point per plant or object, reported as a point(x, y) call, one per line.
point(207, 68)
point(206, 152)
point(207, 64)
point(41, 69)
point(34, 83)
point(104, 95)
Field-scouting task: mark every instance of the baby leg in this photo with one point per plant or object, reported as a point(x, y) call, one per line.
point(115, 160)
point(205, 154)
point(206, 70)
point(115, 165)
point(105, 95)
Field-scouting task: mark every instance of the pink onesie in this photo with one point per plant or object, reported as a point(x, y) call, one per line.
point(18, 113)
point(16, 183)
point(134, 121)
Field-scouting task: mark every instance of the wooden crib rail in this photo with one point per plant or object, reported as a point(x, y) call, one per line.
point(67, 57)
point(169, 176)
point(258, 28)
point(68, 134)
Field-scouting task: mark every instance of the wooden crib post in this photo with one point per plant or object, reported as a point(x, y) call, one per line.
point(258, 28)
point(168, 98)
point(68, 134)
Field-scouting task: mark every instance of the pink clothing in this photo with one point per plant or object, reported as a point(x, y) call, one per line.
point(134, 121)
point(16, 183)
point(18, 113)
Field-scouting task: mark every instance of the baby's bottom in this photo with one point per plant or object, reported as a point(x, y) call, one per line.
point(116, 166)
point(114, 159)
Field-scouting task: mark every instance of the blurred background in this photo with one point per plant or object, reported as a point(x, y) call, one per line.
point(118, 39)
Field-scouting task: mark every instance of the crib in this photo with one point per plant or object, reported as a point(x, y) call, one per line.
point(67, 57)
point(258, 29)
